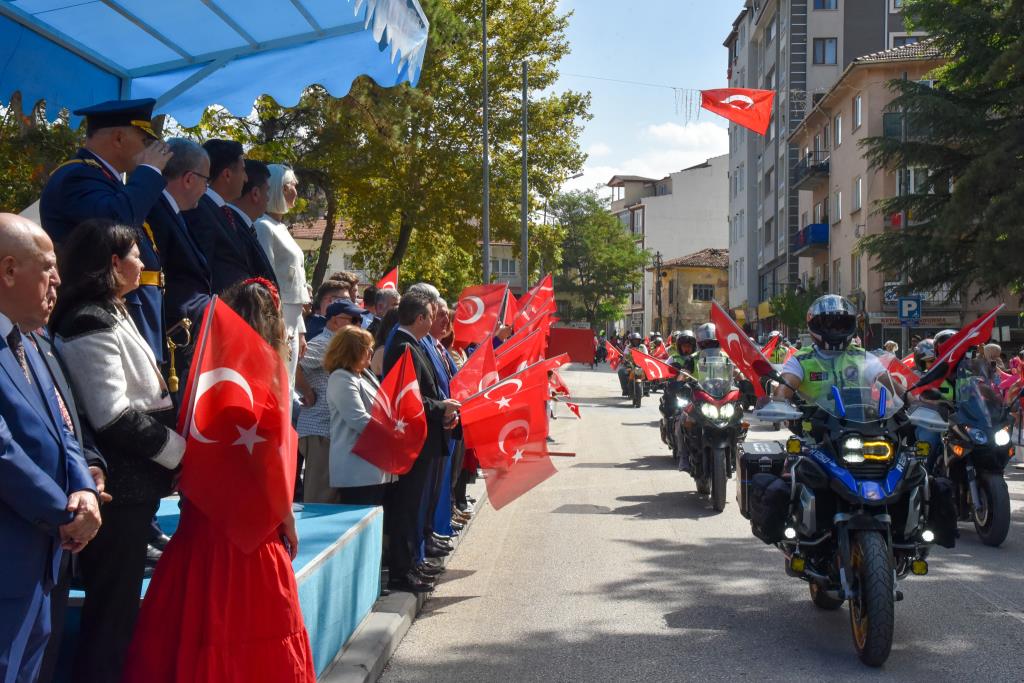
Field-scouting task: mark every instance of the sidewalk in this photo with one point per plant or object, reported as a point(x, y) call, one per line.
point(368, 650)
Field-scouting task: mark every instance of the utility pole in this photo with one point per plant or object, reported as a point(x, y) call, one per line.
point(904, 329)
point(658, 264)
point(487, 164)
point(525, 209)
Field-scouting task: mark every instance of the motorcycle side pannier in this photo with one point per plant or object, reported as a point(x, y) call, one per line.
point(758, 457)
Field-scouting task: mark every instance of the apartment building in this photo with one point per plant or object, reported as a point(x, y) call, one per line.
point(684, 212)
point(799, 49)
point(839, 195)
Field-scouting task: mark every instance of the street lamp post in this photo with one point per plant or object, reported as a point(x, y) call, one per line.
point(487, 163)
point(658, 265)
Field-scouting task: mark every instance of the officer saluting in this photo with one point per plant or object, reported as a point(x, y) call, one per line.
point(119, 139)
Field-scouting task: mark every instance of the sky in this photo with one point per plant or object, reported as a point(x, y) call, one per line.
point(637, 129)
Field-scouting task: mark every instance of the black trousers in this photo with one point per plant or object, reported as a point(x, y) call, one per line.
point(112, 567)
point(58, 610)
point(364, 495)
point(407, 503)
point(434, 496)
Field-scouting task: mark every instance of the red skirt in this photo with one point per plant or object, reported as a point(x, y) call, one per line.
point(214, 614)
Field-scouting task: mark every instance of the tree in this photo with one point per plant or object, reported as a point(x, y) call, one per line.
point(404, 165)
point(790, 307)
point(30, 150)
point(601, 261)
point(965, 215)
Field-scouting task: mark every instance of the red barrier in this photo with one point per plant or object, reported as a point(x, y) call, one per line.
point(579, 344)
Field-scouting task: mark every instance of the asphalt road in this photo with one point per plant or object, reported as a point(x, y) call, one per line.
point(616, 570)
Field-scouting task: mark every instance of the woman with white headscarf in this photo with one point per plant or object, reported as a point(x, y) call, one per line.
point(286, 257)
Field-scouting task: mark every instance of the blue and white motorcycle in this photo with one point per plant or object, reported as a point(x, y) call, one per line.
point(846, 501)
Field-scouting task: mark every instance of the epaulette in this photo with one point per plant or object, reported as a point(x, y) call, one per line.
point(88, 162)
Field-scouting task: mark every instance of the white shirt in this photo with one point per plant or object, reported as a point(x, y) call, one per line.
point(872, 366)
point(118, 174)
point(5, 326)
point(170, 200)
point(217, 199)
point(243, 214)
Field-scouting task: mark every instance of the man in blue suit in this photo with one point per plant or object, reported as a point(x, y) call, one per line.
point(119, 139)
point(48, 500)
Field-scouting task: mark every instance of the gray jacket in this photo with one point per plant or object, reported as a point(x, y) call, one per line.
point(350, 398)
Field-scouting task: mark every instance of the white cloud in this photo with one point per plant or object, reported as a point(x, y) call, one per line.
point(662, 149)
point(598, 149)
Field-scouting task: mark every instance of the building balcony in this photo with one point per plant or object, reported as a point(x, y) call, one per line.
point(812, 239)
point(811, 171)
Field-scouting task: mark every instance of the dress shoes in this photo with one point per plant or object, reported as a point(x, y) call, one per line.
point(429, 571)
point(153, 555)
point(443, 541)
point(433, 550)
point(462, 517)
point(411, 583)
point(457, 525)
point(160, 542)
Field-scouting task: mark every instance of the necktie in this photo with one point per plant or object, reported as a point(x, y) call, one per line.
point(18, 349)
point(64, 414)
point(230, 215)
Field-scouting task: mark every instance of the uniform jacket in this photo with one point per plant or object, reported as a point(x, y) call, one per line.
point(41, 463)
point(85, 188)
point(125, 401)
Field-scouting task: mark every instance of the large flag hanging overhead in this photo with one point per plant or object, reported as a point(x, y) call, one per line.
point(740, 349)
point(239, 465)
point(389, 281)
point(477, 313)
point(745, 107)
point(394, 436)
point(978, 332)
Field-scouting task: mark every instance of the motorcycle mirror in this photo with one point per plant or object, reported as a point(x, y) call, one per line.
point(927, 418)
point(777, 411)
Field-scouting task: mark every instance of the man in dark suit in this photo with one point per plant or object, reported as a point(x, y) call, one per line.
point(48, 500)
point(119, 139)
point(415, 317)
point(213, 224)
point(189, 281)
point(249, 206)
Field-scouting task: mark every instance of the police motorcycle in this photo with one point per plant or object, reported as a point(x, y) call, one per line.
point(848, 500)
point(633, 381)
point(977, 450)
point(677, 394)
point(710, 428)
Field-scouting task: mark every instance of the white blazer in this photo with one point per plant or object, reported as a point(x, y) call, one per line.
point(350, 398)
point(286, 256)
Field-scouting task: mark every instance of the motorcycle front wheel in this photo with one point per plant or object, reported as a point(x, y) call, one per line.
point(872, 608)
point(992, 522)
point(718, 479)
point(638, 393)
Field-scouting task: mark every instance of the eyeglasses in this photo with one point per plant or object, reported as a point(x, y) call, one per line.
point(204, 177)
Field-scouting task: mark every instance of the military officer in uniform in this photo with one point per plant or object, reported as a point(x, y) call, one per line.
point(119, 140)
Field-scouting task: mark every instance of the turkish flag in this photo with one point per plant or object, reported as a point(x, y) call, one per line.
point(510, 311)
point(978, 332)
point(575, 408)
point(506, 484)
point(898, 370)
point(538, 300)
point(614, 355)
point(477, 312)
point(516, 354)
point(239, 464)
point(394, 436)
point(389, 281)
point(652, 367)
point(740, 349)
point(770, 347)
point(510, 422)
point(558, 385)
point(479, 372)
point(745, 107)
point(660, 352)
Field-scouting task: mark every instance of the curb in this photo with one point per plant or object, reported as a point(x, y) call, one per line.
point(363, 658)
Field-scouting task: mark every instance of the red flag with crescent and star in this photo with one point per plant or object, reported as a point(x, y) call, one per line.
point(389, 281)
point(899, 372)
point(540, 299)
point(977, 332)
point(510, 309)
point(740, 349)
point(652, 367)
point(477, 313)
point(394, 436)
point(239, 464)
point(745, 107)
point(614, 355)
point(518, 353)
point(477, 374)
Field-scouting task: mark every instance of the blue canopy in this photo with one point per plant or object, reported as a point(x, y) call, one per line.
point(190, 54)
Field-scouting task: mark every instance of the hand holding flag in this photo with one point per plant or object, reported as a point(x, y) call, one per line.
point(740, 349)
point(394, 436)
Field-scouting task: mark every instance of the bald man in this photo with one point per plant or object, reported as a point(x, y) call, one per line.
point(49, 502)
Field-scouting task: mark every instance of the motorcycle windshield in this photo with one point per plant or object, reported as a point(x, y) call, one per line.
point(716, 375)
point(978, 401)
point(862, 392)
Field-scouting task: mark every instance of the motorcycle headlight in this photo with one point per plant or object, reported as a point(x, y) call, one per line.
point(709, 411)
point(1002, 437)
point(978, 436)
point(853, 450)
point(681, 402)
point(727, 411)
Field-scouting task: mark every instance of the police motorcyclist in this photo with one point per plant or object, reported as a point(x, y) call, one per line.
point(924, 359)
point(832, 359)
point(778, 355)
point(635, 341)
point(681, 355)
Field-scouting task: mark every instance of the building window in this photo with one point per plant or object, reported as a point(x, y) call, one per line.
point(858, 111)
point(826, 50)
point(896, 5)
point(768, 183)
point(703, 292)
point(858, 187)
point(836, 274)
point(837, 129)
point(743, 222)
point(638, 222)
point(826, 4)
point(504, 267)
point(803, 220)
point(768, 231)
point(825, 136)
point(903, 39)
point(743, 272)
point(855, 283)
point(671, 291)
point(837, 206)
point(819, 212)
point(770, 33)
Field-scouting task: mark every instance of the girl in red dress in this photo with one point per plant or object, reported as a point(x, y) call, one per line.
point(214, 614)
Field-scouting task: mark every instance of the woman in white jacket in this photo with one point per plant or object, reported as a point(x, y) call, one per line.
point(286, 257)
point(351, 390)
